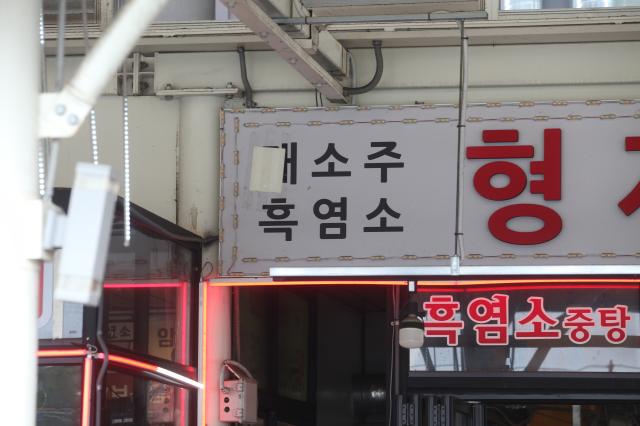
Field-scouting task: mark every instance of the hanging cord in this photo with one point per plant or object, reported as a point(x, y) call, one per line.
point(92, 114)
point(353, 74)
point(126, 158)
point(377, 49)
point(105, 361)
point(248, 91)
point(44, 143)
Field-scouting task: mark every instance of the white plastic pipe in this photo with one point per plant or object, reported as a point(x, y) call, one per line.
point(462, 121)
point(107, 55)
point(19, 87)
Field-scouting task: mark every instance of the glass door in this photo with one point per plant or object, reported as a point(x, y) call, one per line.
point(586, 414)
point(450, 411)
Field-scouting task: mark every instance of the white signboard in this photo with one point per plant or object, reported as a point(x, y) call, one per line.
point(543, 184)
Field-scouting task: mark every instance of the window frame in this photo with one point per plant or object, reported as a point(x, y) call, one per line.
point(581, 15)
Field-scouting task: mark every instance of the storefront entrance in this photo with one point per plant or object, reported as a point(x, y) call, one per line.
point(450, 411)
point(539, 352)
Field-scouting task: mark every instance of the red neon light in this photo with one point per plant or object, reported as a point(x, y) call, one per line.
point(478, 289)
point(61, 353)
point(300, 283)
point(528, 281)
point(87, 379)
point(204, 353)
point(183, 351)
point(144, 285)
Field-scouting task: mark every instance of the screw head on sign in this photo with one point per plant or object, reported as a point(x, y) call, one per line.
point(60, 109)
point(72, 119)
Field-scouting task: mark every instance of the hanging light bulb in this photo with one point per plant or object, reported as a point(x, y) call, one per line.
point(411, 329)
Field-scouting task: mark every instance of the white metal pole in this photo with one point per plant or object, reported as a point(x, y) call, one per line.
point(462, 119)
point(19, 89)
point(106, 56)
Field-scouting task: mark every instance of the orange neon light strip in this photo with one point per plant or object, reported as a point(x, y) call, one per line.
point(133, 363)
point(300, 283)
point(87, 379)
point(61, 353)
point(420, 283)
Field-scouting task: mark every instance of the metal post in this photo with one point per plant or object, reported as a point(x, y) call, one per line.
point(575, 415)
point(19, 86)
point(462, 118)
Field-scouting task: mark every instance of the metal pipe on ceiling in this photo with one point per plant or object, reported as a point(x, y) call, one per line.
point(424, 17)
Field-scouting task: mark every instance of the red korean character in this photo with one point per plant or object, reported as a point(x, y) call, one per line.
point(631, 202)
point(580, 321)
point(442, 311)
point(549, 186)
point(616, 320)
point(539, 318)
point(517, 177)
point(499, 224)
point(482, 310)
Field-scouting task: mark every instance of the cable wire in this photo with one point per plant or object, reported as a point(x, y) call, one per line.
point(248, 91)
point(353, 73)
point(377, 49)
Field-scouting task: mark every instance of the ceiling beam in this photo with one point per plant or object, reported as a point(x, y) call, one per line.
point(287, 48)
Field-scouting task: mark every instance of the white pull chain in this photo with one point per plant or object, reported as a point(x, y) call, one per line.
point(42, 173)
point(127, 162)
point(42, 182)
point(94, 137)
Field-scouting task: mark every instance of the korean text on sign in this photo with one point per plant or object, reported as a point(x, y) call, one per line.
point(490, 316)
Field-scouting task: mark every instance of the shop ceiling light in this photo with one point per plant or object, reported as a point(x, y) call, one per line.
point(411, 329)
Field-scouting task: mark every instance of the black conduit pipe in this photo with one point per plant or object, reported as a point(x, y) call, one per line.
point(377, 48)
point(248, 92)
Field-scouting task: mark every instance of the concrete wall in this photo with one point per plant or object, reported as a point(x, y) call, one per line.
point(175, 143)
